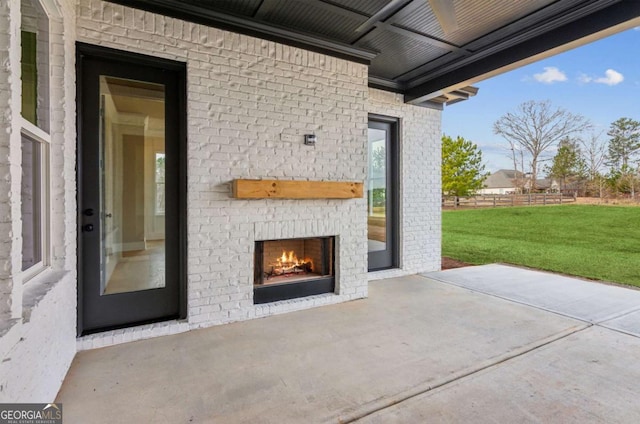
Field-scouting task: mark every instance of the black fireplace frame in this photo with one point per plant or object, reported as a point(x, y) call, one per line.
point(267, 293)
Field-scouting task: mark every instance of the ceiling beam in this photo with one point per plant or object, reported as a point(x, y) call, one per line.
point(265, 7)
point(419, 37)
point(601, 20)
point(333, 8)
point(395, 17)
point(390, 9)
point(458, 94)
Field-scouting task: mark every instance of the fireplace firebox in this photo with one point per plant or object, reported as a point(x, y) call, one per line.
point(291, 268)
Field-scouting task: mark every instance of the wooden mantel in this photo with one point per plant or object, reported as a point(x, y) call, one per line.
point(287, 189)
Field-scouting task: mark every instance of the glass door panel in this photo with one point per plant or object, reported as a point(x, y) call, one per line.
point(132, 148)
point(382, 192)
point(376, 191)
point(131, 189)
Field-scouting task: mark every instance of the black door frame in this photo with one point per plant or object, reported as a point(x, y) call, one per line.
point(390, 257)
point(84, 54)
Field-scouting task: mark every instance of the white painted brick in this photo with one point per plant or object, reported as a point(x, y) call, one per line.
point(420, 223)
point(43, 310)
point(249, 103)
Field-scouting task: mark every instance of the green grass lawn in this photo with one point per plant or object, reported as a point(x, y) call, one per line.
point(599, 242)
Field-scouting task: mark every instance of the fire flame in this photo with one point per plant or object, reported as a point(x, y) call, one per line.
point(288, 262)
point(292, 258)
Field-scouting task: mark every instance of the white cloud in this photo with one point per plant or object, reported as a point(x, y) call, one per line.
point(550, 75)
point(584, 78)
point(611, 78)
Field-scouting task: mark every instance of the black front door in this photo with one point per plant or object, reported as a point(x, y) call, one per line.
point(131, 189)
point(382, 193)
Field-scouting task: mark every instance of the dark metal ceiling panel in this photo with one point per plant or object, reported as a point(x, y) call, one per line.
point(419, 17)
point(556, 13)
point(530, 26)
point(241, 7)
point(398, 52)
point(368, 7)
point(320, 20)
point(253, 27)
point(607, 16)
point(475, 18)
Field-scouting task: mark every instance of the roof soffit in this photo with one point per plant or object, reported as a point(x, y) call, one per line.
point(419, 48)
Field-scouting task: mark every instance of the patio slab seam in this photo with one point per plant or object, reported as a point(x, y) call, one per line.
point(599, 322)
point(420, 389)
point(617, 330)
point(604, 323)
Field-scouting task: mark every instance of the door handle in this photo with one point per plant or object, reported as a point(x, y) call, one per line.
point(88, 228)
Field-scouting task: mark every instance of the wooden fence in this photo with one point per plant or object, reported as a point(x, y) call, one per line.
point(496, 200)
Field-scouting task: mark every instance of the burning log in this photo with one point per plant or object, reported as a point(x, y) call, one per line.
point(289, 265)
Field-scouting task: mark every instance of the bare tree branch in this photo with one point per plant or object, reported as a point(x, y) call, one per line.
point(594, 153)
point(536, 126)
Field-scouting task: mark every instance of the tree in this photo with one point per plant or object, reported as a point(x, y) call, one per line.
point(379, 159)
point(624, 180)
point(462, 169)
point(624, 144)
point(535, 127)
point(518, 157)
point(624, 147)
point(566, 164)
point(378, 163)
point(594, 152)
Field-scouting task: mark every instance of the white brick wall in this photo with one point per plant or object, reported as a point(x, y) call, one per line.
point(34, 366)
point(249, 104)
point(420, 175)
point(10, 158)
point(251, 99)
point(38, 344)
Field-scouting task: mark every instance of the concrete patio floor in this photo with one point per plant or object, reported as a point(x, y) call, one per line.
point(479, 344)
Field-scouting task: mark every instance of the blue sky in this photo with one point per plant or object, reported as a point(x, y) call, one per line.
point(600, 81)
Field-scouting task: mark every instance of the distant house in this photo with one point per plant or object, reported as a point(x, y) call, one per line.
point(548, 185)
point(506, 181)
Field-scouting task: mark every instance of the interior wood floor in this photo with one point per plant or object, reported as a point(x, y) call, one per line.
point(139, 270)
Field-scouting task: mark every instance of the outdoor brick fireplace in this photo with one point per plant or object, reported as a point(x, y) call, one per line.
point(292, 268)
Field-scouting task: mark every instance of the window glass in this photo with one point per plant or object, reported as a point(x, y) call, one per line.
point(377, 191)
point(31, 198)
point(29, 75)
point(35, 126)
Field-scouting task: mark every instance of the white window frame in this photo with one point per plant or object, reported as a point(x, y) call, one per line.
point(44, 140)
point(36, 133)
